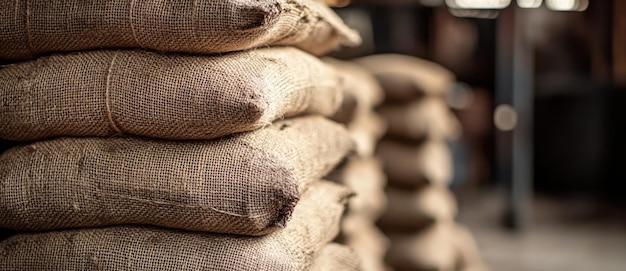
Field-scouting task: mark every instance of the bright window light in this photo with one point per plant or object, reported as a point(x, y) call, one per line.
point(529, 3)
point(478, 4)
point(567, 5)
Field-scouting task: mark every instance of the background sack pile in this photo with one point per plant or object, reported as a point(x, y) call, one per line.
point(362, 172)
point(156, 137)
point(419, 219)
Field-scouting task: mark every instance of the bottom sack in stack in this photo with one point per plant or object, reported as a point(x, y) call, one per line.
point(314, 224)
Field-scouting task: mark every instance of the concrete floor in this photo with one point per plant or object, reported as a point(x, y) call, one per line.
point(569, 234)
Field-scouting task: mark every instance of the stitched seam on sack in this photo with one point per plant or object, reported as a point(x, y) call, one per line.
point(29, 36)
point(194, 12)
point(130, 21)
point(107, 98)
point(179, 205)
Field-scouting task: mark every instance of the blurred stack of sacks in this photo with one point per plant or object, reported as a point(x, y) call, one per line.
point(419, 218)
point(362, 172)
point(156, 137)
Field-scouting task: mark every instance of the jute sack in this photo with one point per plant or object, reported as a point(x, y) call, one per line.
point(366, 129)
point(361, 90)
point(336, 257)
point(408, 209)
point(33, 27)
point(429, 118)
point(414, 166)
point(102, 93)
point(315, 223)
point(469, 256)
point(366, 240)
point(405, 78)
point(366, 177)
point(244, 184)
point(430, 249)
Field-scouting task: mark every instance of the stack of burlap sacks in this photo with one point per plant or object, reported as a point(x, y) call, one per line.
point(362, 172)
point(171, 135)
point(419, 219)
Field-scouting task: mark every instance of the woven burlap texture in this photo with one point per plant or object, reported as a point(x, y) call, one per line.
point(32, 27)
point(101, 93)
point(244, 184)
point(336, 257)
point(315, 223)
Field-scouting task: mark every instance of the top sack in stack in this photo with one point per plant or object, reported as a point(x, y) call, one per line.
point(168, 96)
point(33, 27)
point(406, 78)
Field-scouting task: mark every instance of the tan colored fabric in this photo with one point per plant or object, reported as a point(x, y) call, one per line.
point(360, 88)
point(337, 3)
point(416, 165)
point(367, 129)
point(33, 27)
point(408, 209)
point(407, 78)
point(336, 257)
point(102, 93)
point(430, 249)
point(429, 118)
point(468, 255)
point(315, 223)
point(366, 177)
point(367, 241)
point(245, 184)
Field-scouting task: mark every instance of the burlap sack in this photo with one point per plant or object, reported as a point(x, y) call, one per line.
point(315, 223)
point(102, 93)
point(245, 184)
point(413, 166)
point(409, 209)
point(365, 176)
point(430, 249)
point(429, 118)
point(33, 27)
point(405, 78)
point(366, 240)
point(469, 256)
point(367, 129)
point(336, 257)
point(361, 90)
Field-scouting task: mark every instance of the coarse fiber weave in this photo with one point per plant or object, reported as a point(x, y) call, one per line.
point(245, 184)
point(32, 27)
point(315, 223)
point(103, 93)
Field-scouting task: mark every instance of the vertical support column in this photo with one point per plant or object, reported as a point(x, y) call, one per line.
point(515, 88)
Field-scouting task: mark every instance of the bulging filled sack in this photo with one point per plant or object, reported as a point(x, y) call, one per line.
point(429, 118)
point(430, 249)
point(315, 223)
point(406, 78)
point(366, 177)
point(412, 166)
point(409, 209)
point(102, 93)
point(361, 90)
point(33, 27)
point(336, 257)
point(360, 234)
point(244, 184)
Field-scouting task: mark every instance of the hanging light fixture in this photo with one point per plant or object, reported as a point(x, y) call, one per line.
point(529, 3)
